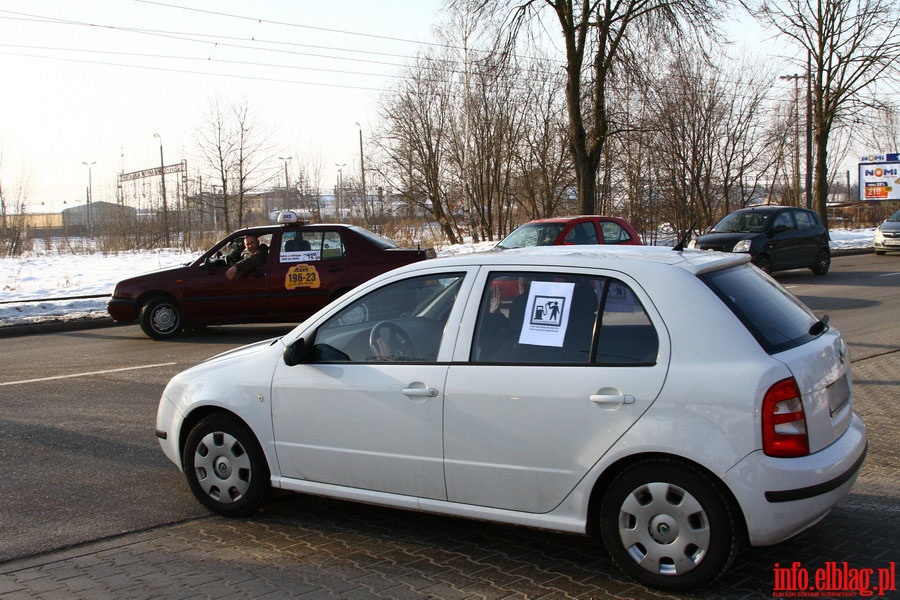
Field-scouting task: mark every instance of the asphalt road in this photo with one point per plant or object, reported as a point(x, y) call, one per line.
point(861, 296)
point(77, 416)
point(81, 465)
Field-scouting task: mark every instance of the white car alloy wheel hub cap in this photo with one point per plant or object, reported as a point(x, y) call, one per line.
point(664, 528)
point(222, 467)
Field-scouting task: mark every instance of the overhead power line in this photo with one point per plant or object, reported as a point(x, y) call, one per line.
point(197, 58)
point(189, 72)
point(287, 24)
point(452, 66)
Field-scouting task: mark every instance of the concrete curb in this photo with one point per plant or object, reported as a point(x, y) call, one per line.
point(852, 251)
point(56, 326)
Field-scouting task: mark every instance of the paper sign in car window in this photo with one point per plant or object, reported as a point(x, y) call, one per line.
point(547, 313)
point(302, 256)
point(301, 276)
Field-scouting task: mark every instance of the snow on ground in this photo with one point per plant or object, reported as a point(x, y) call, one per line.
point(47, 280)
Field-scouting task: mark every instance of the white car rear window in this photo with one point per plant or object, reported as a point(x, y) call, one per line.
point(776, 318)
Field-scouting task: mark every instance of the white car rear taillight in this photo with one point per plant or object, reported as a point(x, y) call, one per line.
point(784, 422)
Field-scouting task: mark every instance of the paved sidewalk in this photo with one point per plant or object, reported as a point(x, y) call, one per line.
point(312, 548)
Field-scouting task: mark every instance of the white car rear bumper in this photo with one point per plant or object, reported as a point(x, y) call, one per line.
point(799, 491)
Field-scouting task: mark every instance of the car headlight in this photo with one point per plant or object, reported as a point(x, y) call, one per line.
point(742, 246)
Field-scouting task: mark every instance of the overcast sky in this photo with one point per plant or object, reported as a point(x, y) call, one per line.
point(92, 81)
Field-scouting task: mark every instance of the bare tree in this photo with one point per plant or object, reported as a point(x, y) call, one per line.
point(884, 127)
point(691, 113)
point(484, 130)
point(543, 162)
point(741, 148)
point(308, 184)
point(233, 147)
point(253, 154)
point(709, 139)
point(416, 120)
point(3, 208)
point(218, 149)
point(777, 171)
point(630, 181)
point(850, 45)
point(599, 39)
point(14, 204)
point(478, 132)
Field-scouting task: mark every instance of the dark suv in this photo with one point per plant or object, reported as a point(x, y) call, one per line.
point(306, 267)
point(776, 237)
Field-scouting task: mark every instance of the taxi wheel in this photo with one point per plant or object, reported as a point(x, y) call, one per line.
point(225, 467)
point(161, 318)
point(669, 526)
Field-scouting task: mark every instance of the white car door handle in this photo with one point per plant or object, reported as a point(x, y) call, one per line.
point(612, 398)
point(420, 392)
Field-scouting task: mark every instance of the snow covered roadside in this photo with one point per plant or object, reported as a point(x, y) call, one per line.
point(38, 277)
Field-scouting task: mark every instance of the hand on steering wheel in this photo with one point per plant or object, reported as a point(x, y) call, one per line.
point(389, 342)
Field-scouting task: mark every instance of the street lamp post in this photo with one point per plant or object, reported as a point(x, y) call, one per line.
point(362, 174)
point(90, 197)
point(162, 175)
point(796, 77)
point(286, 200)
point(340, 190)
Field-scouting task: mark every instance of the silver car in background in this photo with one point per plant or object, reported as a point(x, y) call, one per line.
point(887, 235)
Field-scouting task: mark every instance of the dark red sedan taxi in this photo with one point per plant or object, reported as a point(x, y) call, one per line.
point(307, 266)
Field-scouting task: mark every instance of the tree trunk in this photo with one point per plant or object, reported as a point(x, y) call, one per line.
point(820, 183)
point(586, 171)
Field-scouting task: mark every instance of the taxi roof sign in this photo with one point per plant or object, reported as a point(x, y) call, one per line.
point(287, 217)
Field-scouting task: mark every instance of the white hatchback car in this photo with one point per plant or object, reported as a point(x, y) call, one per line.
point(674, 404)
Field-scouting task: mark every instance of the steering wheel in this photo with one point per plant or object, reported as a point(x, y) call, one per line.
point(388, 341)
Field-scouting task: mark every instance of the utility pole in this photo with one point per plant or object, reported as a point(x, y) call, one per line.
point(849, 197)
point(795, 77)
point(339, 195)
point(362, 174)
point(286, 199)
point(809, 137)
point(90, 198)
point(165, 205)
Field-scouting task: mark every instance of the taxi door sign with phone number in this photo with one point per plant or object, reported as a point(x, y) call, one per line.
point(300, 276)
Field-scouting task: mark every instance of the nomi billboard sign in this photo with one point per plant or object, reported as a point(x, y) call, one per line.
point(879, 177)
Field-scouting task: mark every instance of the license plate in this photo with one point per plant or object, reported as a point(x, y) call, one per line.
point(838, 394)
point(892, 242)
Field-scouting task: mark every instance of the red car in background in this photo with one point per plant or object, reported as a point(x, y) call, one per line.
point(307, 267)
point(581, 230)
point(564, 231)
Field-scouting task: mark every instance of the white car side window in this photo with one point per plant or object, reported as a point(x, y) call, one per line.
point(400, 322)
point(540, 318)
